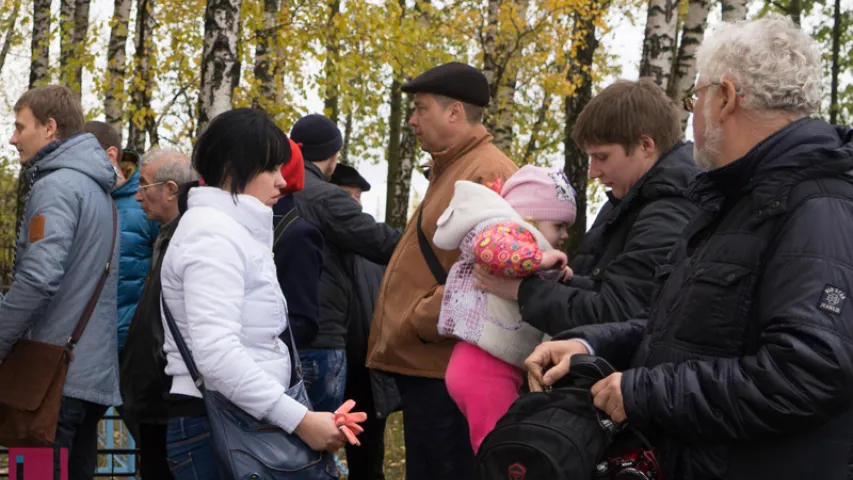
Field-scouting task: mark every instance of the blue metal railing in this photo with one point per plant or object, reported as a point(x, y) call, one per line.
point(117, 452)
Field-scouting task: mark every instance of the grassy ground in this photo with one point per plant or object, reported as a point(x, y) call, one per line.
point(395, 452)
point(395, 449)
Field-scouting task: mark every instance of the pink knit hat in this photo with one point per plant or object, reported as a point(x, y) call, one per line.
point(541, 193)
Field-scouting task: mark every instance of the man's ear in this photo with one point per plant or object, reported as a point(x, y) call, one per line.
point(50, 129)
point(171, 189)
point(647, 144)
point(112, 154)
point(729, 97)
point(457, 112)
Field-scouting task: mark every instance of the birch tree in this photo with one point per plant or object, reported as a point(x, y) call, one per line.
point(734, 10)
point(331, 102)
point(114, 94)
point(684, 74)
point(500, 66)
point(140, 114)
point(266, 58)
point(220, 69)
point(584, 45)
point(9, 36)
point(40, 41)
point(659, 42)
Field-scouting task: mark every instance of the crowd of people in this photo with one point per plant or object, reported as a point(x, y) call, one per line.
point(715, 278)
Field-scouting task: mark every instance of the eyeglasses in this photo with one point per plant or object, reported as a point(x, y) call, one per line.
point(689, 100)
point(143, 187)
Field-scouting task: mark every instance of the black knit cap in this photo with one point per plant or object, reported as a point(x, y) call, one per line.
point(347, 176)
point(456, 80)
point(319, 138)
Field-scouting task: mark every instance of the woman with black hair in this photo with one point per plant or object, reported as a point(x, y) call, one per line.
point(220, 285)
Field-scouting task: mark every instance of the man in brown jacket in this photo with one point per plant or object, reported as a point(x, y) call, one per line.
point(404, 339)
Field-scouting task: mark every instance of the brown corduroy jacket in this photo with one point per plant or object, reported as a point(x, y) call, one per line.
point(404, 335)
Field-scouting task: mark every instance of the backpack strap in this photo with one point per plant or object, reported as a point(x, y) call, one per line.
point(428, 253)
point(284, 223)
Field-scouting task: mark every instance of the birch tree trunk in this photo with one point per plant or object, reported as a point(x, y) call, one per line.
point(834, 106)
point(220, 68)
point(66, 34)
point(140, 91)
point(576, 167)
point(502, 73)
point(265, 56)
point(10, 33)
point(40, 57)
point(400, 157)
point(684, 75)
point(331, 104)
point(659, 43)
point(78, 39)
point(114, 96)
point(734, 10)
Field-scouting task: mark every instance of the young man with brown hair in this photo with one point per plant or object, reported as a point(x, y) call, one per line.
point(632, 135)
point(63, 243)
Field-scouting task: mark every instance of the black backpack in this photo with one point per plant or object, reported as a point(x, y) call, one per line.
point(555, 435)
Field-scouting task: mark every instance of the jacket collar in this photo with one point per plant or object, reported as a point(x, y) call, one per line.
point(314, 170)
point(442, 160)
point(671, 175)
point(807, 148)
point(243, 209)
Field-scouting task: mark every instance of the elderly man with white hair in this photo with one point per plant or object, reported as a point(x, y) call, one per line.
point(743, 366)
point(144, 383)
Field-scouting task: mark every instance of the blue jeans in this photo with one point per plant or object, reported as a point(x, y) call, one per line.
point(188, 449)
point(325, 375)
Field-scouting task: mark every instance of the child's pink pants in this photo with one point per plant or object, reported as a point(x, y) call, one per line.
point(482, 386)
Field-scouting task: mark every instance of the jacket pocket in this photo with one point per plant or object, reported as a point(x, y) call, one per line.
point(714, 308)
point(423, 318)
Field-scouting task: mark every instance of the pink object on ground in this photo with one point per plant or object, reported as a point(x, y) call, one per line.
point(482, 386)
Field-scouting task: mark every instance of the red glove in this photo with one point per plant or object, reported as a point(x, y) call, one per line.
point(348, 422)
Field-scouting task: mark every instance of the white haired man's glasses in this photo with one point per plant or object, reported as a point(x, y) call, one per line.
point(689, 100)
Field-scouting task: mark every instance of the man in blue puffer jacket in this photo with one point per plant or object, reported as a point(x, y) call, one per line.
point(137, 232)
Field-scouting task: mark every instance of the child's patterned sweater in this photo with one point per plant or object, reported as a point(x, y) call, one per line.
point(487, 231)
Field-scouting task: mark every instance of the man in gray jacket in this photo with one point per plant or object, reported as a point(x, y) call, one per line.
point(63, 242)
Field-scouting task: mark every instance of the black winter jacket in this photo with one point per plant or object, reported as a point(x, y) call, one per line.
point(346, 230)
point(743, 366)
point(142, 363)
point(298, 252)
point(379, 386)
point(615, 263)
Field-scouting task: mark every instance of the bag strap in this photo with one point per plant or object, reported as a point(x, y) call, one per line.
point(284, 223)
point(93, 300)
point(428, 253)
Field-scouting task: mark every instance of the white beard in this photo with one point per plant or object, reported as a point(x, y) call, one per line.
point(706, 157)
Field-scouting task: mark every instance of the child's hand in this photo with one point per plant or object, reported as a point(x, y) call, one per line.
point(566, 274)
point(553, 259)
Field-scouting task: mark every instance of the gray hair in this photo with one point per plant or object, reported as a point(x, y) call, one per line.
point(177, 168)
point(776, 65)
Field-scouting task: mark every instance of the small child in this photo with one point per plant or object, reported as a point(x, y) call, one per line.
point(512, 233)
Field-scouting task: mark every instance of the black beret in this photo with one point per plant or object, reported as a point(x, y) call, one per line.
point(346, 176)
point(458, 81)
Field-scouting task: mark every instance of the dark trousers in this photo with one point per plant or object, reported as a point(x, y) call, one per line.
point(77, 431)
point(366, 461)
point(152, 452)
point(436, 433)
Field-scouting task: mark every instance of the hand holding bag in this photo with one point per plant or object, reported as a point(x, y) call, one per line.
point(32, 378)
point(247, 448)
